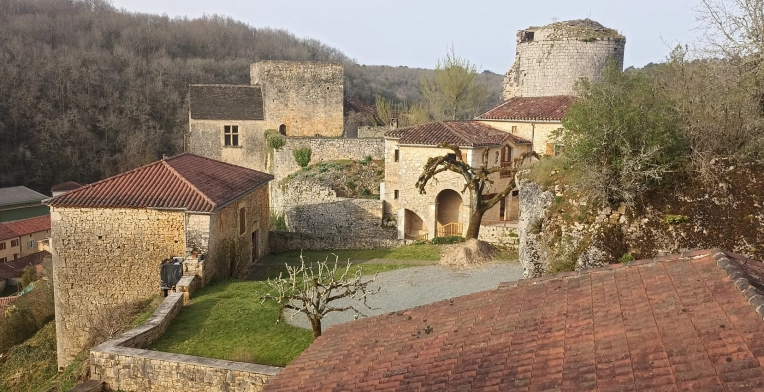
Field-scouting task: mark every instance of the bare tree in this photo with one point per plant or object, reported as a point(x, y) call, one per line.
point(455, 92)
point(734, 29)
point(476, 180)
point(312, 290)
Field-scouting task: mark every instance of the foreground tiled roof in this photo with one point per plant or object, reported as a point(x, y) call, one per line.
point(460, 133)
point(29, 226)
point(19, 195)
point(66, 186)
point(668, 324)
point(185, 181)
point(225, 102)
point(15, 268)
point(531, 108)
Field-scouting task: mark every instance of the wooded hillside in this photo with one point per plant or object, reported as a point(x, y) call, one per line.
point(88, 91)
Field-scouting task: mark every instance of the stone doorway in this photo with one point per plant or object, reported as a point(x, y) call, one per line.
point(414, 227)
point(448, 209)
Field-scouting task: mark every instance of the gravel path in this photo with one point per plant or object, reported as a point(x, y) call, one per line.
point(414, 286)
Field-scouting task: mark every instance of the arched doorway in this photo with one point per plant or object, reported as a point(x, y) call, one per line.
point(282, 129)
point(448, 210)
point(414, 228)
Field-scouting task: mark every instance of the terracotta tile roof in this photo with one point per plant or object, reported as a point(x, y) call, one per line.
point(7, 233)
point(29, 226)
point(185, 181)
point(66, 186)
point(225, 102)
point(19, 195)
point(15, 268)
point(461, 133)
point(531, 108)
point(668, 324)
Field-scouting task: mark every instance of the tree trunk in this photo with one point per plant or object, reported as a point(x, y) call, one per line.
point(316, 324)
point(473, 229)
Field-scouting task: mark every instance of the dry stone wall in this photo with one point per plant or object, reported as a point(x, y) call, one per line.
point(306, 97)
point(94, 249)
point(321, 220)
point(324, 149)
point(122, 364)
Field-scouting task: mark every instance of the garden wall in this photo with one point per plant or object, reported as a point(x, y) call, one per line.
point(122, 365)
point(324, 149)
point(504, 236)
point(317, 219)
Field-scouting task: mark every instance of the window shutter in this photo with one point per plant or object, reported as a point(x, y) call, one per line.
point(549, 149)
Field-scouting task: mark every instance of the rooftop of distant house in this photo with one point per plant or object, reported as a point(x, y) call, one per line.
point(29, 226)
point(66, 186)
point(19, 195)
point(225, 102)
point(460, 133)
point(15, 268)
point(682, 322)
point(552, 108)
point(186, 181)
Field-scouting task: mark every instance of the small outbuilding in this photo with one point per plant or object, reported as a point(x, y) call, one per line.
point(110, 237)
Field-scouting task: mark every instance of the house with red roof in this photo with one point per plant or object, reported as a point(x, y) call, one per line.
point(532, 118)
point(29, 233)
point(109, 238)
point(689, 322)
point(445, 209)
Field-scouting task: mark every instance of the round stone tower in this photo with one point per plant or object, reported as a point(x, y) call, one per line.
point(550, 59)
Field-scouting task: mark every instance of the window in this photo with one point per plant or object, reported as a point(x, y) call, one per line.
point(395, 194)
point(2, 245)
point(506, 162)
point(397, 156)
point(242, 220)
point(514, 129)
point(14, 243)
point(231, 135)
point(3, 259)
point(528, 36)
point(554, 149)
point(282, 129)
point(15, 256)
point(31, 244)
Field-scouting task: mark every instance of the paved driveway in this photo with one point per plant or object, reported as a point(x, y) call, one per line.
point(410, 287)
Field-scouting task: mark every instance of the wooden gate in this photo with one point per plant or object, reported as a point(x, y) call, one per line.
point(450, 229)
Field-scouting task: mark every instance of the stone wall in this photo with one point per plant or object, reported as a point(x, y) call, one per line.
point(327, 221)
point(500, 235)
point(553, 61)
point(227, 236)
point(282, 241)
point(122, 364)
point(306, 97)
point(324, 149)
point(372, 132)
point(93, 249)
point(534, 203)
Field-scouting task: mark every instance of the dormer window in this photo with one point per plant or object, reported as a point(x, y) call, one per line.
point(231, 135)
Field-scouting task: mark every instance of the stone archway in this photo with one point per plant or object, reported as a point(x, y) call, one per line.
point(414, 227)
point(448, 210)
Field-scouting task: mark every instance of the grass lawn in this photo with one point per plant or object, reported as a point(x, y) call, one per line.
point(427, 252)
point(226, 321)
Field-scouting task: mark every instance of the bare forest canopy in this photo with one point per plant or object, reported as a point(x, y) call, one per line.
point(88, 91)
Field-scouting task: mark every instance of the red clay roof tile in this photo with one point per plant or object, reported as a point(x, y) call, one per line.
point(15, 268)
point(6, 232)
point(29, 226)
point(460, 133)
point(675, 325)
point(552, 108)
point(185, 181)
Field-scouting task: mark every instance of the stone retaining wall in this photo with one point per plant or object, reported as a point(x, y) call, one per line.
point(122, 364)
point(283, 241)
point(325, 149)
point(503, 236)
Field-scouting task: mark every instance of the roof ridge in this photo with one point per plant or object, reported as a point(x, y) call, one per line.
point(85, 187)
point(187, 182)
point(465, 138)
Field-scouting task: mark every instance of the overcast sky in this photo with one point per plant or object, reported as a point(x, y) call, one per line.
point(416, 33)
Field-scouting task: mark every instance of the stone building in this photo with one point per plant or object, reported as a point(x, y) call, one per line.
point(444, 210)
point(549, 60)
point(29, 232)
point(110, 237)
point(228, 122)
point(531, 118)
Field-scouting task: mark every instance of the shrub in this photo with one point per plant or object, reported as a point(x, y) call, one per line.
point(627, 257)
point(675, 219)
point(454, 239)
point(274, 139)
point(277, 222)
point(366, 160)
point(364, 192)
point(350, 184)
point(302, 156)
